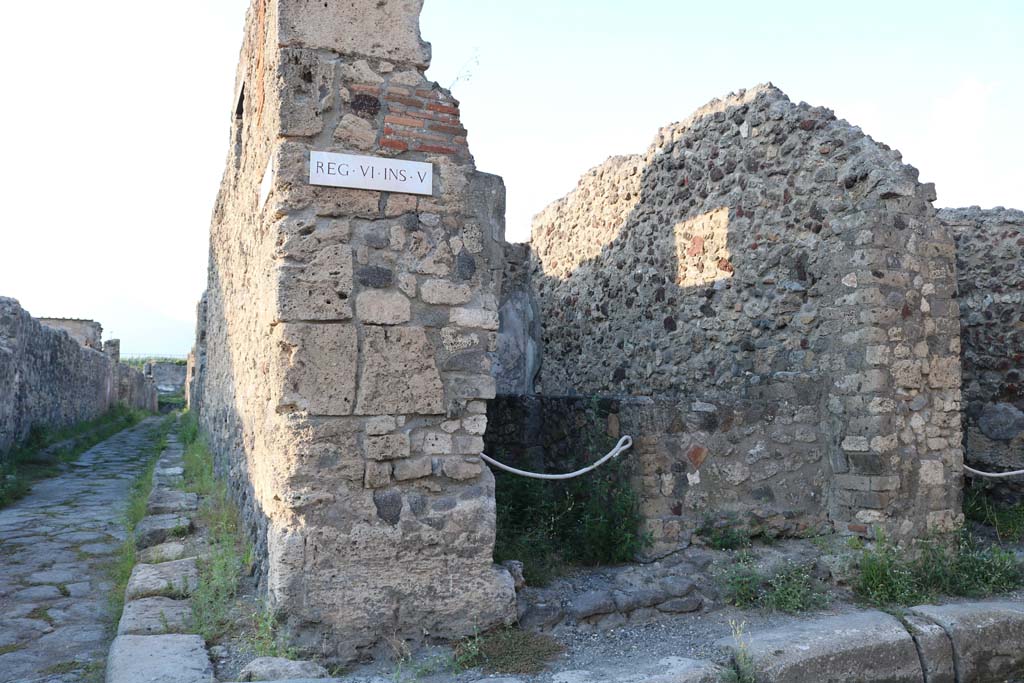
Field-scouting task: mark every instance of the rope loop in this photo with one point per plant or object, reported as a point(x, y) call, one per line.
point(624, 443)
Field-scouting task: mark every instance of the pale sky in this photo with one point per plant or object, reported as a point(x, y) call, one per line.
point(117, 113)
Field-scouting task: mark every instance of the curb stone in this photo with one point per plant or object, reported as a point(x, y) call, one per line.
point(869, 647)
point(979, 642)
point(154, 616)
point(159, 659)
point(157, 529)
point(987, 638)
point(144, 651)
point(175, 579)
point(933, 648)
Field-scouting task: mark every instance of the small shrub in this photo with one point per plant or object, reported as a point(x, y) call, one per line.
point(891, 576)
point(790, 588)
point(267, 639)
point(508, 651)
point(741, 582)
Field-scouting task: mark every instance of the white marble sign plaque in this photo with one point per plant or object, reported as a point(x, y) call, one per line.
point(370, 173)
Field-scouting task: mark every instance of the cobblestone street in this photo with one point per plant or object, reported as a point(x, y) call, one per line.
point(55, 547)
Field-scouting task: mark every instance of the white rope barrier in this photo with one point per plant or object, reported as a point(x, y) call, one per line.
point(993, 475)
point(623, 444)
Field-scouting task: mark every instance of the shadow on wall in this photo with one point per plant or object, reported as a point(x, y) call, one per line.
point(769, 296)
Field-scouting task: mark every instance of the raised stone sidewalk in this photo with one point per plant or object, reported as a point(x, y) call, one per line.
point(153, 642)
point(55, 545)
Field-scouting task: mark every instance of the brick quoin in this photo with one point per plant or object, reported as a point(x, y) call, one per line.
point(444, 109)
point(403, 121)
point(435, 149)
point(394, 144)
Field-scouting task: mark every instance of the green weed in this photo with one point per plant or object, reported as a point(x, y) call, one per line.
point(789, 588)
point(1006, 520)
point(742, 669)
point(792, 589)
point(267, 639)
point(507, 651)
point(227, 554)
point(891, 576)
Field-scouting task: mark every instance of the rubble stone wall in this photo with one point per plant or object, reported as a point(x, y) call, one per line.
point(51, 380)
point(776, 488)
point(765, 254)
point(344, 363)
point(990, 266)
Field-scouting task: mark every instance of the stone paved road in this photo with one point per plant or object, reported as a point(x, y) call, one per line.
point(54, 548)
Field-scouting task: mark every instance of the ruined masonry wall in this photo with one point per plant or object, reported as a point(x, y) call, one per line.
point(169, 377)
point(343, 358)
point(990, 267)
point(85, 332)
point(784, 275)
point(51, 380)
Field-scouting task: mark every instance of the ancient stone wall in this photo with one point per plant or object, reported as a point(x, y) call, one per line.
point(787, 274)
point(85, 332)
point(168, 376)
point(774, 489)
point(990, 267)
point(51, 380)
point(343, 372)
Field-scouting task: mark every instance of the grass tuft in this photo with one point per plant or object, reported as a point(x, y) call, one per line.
point(1007, 521)
point(507, 651)
point(888, 575)
point(227, 554)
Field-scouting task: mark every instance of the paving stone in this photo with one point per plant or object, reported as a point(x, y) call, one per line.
point(52, 576)
point(168, 579)
point(79, 589)
point(869, 647)
point(155, 616)
point(159, 659)
point(37, 593)
point(278, 668)
point(167, 501)
point(96, 549)
point(987, 637)
point(163, 552)
point(156, 529)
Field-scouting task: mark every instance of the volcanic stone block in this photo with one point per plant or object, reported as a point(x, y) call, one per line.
point(159, 659)
point(320, 369)
point(987, 637)
point(399, 374)
point(872, 647)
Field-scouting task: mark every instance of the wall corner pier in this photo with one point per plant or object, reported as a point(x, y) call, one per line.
point(343, 352)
